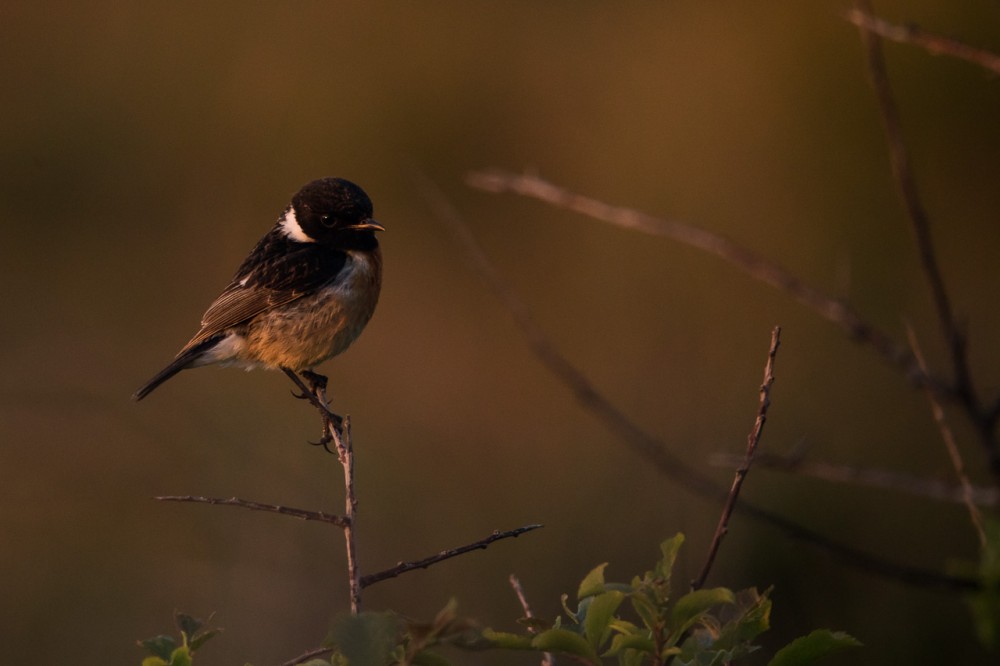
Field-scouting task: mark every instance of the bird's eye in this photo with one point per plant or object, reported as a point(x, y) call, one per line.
point(327, 220)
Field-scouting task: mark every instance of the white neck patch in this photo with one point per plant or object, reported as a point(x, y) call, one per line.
point(292, 229)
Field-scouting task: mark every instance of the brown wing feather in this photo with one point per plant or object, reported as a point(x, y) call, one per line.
point(276, 273)
point(237, 305)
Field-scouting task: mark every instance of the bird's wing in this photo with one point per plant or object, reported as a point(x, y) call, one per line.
point(270, 277)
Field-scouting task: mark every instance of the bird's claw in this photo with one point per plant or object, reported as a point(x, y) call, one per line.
point(324, 441)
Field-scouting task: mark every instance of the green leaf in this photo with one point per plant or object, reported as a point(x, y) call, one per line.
point(154, 661)
point(202, 638)
point(159, 646)
point(624, 627)
point(592, 583)
point(985, 608)
point(507, 640)
point(641, 642)
point(534, 623)
point(187, 624)
point(566, 641)
point(691, 606)
point(624, 588)
point(645, 609)
point(632, 658)
point(599, 615)
point(366, 639)
point(668, 551)
point(446, 615)
point(985, 604)
point(807, 649)
point(180, 657)
point(570, 614)
point(749, 619)
point(656, 583)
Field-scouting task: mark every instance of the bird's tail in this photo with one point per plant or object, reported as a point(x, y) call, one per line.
point(184, 360)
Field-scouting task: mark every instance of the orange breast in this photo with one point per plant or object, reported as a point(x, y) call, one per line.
point(310, 330)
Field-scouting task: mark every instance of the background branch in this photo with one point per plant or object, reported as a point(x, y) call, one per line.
point(652, 448)
point(931, 42)
point(962, 386)
point(952, 447)
point(753, 439)
point(755, 265)
point(865, 476)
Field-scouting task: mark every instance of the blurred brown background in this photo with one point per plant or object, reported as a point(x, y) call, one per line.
point(146, 148)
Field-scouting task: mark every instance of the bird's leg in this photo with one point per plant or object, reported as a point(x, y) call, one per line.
point(305, 394)
point(315, 393)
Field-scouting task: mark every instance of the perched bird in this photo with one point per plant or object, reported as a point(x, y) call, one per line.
point(303, 294)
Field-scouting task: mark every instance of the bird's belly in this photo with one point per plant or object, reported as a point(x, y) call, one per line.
point(314, 328)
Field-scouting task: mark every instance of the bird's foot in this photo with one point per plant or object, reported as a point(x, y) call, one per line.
point(315, 393)
point(316, 380)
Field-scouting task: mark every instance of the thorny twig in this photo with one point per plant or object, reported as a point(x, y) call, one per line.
point(302, 514)
point(753, 439)
point(404, 567)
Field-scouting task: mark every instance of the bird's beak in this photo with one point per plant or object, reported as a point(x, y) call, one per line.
point(368, 224)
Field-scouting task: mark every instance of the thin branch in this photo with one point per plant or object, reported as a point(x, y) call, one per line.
point(404, 567)
point(307, 656)
point(686, 477)
point(337, 430)
point(866, 476)
point(346, 449)
point(302, 514)
point(547, 658)
point(753, 264)
point(933, 43)
point(952, 448)
point(753, 439)
point(919, 221)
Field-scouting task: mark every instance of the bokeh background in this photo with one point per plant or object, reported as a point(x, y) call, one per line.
point(144, 148)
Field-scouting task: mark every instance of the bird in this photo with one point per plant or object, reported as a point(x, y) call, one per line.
point(303, 294)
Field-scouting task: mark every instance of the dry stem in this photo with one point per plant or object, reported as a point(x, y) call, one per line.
point(547, 658)
point(952, 448)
